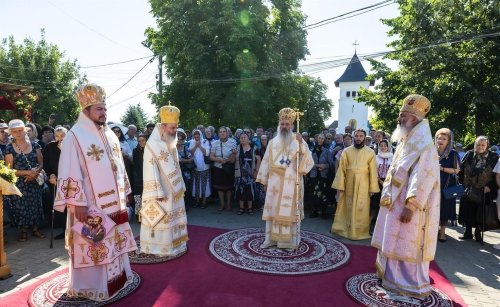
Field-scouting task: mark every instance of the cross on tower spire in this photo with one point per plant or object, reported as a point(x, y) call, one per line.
point(355, 45)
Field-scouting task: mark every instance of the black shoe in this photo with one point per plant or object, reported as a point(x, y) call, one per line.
point(59, 236)
point(466, 236)
point(477, 235)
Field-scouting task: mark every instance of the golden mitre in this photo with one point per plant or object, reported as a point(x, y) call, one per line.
point(169, 115)
point(287, 114)
point(90, 94)
point(417, 105)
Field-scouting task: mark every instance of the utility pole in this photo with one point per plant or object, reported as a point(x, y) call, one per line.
point(160, 74)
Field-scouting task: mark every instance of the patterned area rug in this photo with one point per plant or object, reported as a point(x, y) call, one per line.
point(316, 253)
point(141, 258)
point(367, 290)
point(53, 293)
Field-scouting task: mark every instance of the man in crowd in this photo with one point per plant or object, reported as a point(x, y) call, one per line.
point(130, 137)
point(149, 129)
point(407, 225)
point(348, 130)
point(378, 136)
point(283, 208)
point(355, 181)
point(92, 182)
point(163, 213)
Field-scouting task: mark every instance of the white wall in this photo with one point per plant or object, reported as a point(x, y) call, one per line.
point(349, 109)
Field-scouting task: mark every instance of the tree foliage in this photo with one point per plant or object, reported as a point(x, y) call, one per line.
point(235, 62)
point(135, 115)
point(460, 77)
point(43, 66)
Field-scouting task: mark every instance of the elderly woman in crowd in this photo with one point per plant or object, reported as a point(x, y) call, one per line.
point(476, 174)
point(323, 160)
point(185, 162)
point(384, 160)
point(201, 173)
point(247, 163)
point(138, 158)
point(223, 153)
point(26, 158)
point(51, 153)
point(449, 162)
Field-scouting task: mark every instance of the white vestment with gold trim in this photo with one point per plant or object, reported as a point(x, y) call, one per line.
point(163, 213)
point(92, 175)
point(283, 209)
point(405, 249)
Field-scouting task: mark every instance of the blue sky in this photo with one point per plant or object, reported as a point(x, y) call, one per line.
point(105, 31)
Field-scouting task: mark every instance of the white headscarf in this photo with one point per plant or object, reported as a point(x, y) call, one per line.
point(198, 156)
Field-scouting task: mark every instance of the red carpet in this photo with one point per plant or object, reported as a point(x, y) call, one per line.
point(196, 279)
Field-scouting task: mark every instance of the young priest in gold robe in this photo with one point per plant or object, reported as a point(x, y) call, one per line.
point(356, 180)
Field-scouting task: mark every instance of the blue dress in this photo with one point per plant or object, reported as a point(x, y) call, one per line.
point(448, 206)
point(25, 211)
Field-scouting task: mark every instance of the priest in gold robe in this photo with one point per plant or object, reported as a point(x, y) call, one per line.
point(356, 180)
point(284, 208)
point(163, 213)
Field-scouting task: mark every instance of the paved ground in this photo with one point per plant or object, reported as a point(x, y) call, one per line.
point(473, 269)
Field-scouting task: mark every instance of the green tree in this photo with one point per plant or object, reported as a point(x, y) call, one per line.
point(53, 78)
point(135, 115)
point(234, 62)
point(460, 78)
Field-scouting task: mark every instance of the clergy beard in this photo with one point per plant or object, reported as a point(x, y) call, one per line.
point(359, 146)
point(285, 138)
point(400, 133)
point(170, 140)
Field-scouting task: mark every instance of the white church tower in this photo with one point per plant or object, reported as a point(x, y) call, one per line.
point(351, 112)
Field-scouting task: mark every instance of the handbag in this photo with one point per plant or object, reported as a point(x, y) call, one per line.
point(207, 160)
point(41, 177)
point(487, 217)
point(454, 191)
point(475, 195)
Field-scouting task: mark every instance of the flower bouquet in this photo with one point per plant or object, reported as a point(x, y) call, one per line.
point(8, 180)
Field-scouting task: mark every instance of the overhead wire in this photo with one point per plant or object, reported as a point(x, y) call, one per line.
point(147, 63)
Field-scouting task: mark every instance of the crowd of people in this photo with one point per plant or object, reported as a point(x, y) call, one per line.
point(369, 183)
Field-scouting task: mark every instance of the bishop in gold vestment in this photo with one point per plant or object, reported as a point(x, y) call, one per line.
point(163, 213)
point(407, 224)
point(283, 208)
point(355, 181)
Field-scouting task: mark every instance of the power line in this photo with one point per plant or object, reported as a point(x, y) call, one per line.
point(347, 17)
point(326, 65)
point(117, 63)
point(326, 21)
point(124, 100)
point(89, 28)
point(148, 62)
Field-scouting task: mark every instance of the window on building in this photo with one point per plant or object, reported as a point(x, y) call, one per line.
point(348, 94)
point(353, 93)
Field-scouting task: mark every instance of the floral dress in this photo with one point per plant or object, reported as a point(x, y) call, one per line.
point(25, 211)
point(245, 185)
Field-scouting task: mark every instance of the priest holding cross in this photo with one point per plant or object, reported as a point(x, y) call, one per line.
point(285, 162)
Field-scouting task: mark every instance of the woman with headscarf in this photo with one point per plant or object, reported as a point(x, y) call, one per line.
point(476, 174)
point(323, 161)
point(449, 167)
point(384, 160)
point(51, 154)
point(26, 158)
point(201, 174)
